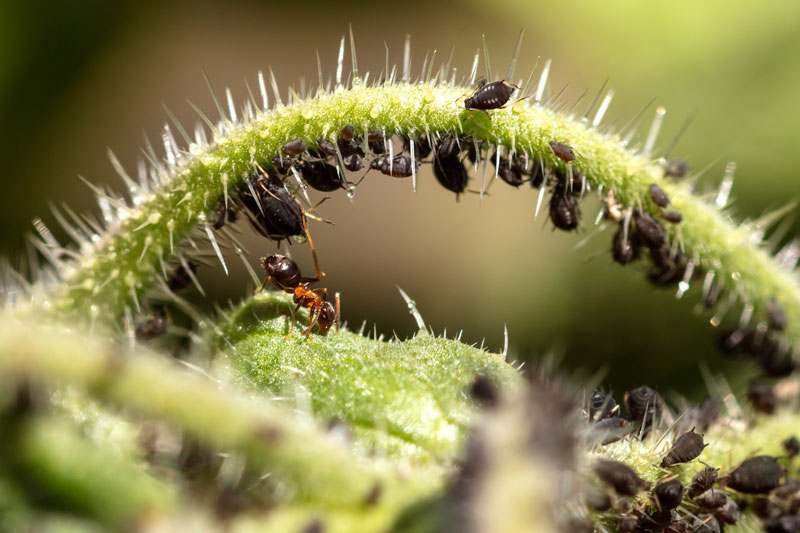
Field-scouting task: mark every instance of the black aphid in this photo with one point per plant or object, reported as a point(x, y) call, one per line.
point(153, 326)
point(658, 195)
point(788, 491)
point(398, 167)
point(673, 217)
point(609, 430)
point(776, 364)
point(353, 162)
point(757, 475)
point(273, 212)
point(563, 151)
point(762, 397)
point(348, 143)
point(537, 175)
point(649, 230)
point(347, 133)
point(377, 142)
point(602, 405)
point(282, 165)
point(294, 148)
point(686, 448)
point(711, 499)
point(224, 214)
point(657, 520)
point(564, 211)
point(676, 168)
point(484, 391)
point(422, 147)
point(448, 168)
point(492, 95)
point(568, 181)
point(322, 176)
point(669, 493)
point(783, 524)
point(509, 170)
point(703, 480)
point(729, 513)
point(624, 248)
point(323, 150)
point(734, 342)
point(791, 446)
point(180, 277)
point(620, 476)
point(776, 315)
point(667, 270)
point(644, 406)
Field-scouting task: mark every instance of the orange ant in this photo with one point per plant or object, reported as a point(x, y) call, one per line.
point(285, 275)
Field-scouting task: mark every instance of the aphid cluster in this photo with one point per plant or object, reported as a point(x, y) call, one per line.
point(710, 501)
point(608, 423)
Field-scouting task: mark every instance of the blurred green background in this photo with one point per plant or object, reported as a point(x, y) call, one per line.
point(77, 77)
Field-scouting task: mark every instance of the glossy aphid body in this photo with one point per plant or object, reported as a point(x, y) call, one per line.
point(285, 275)
point(448, 169)
point(676, 168)
point(224, 213)
point(565, 211)
point(509, 170)
point(756, 475)
point(272, 210)
point(602, 405)
point(686, 448)
point(669, 493)
point(180, 278)
point(703, 480)
point(649, 230)
point(711, 499)
point(644, 406)
point(294, 148)
point(791, 445)
point(563, 151)
point(762, 397)
point(625, 247)
point(492, 95)
point(153, 326)
point(622, 478)
point(673, 217)
point(422, 146)
point(399, 166)
point(484, 391)
point(658, 195)
point(322, 176)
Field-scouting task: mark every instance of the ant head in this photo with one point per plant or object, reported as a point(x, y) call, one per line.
point(283, 271)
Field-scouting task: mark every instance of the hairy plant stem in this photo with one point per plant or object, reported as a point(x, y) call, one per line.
point(316, 469)
point(126, 261)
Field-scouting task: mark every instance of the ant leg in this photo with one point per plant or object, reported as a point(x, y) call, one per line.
point(338, 312)
point(293, 319)
point(315, 314)
point(318, 270)
point(322, 292)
